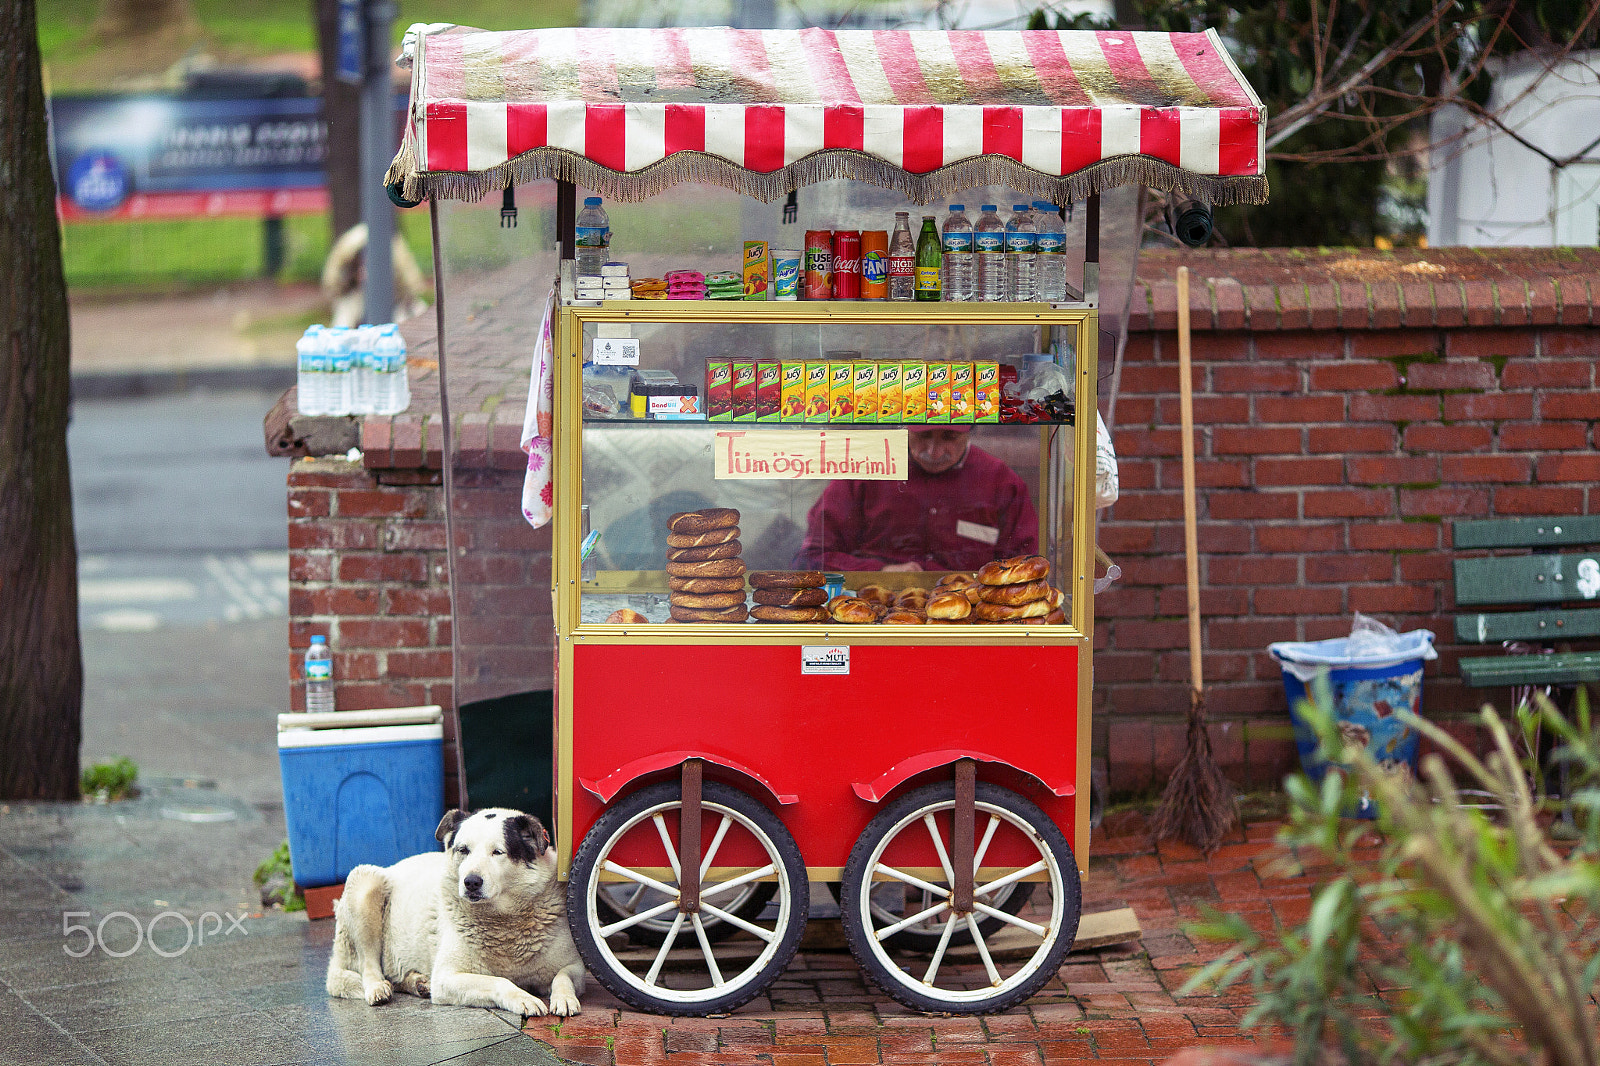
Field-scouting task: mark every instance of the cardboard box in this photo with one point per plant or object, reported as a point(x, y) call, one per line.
point(938, 393)
point(986, 385)
point(866, 375)
point(719, 390)
point(792, 393)
point(757, 270)
point(889, 402)
point(744, 392)
point(913, 392)
point(963, 393)
point(769, 390)
point(841, 392)
point(816, 392)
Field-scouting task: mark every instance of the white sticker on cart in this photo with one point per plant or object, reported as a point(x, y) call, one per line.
point(802, 454)
point(616, 351)
point(825, 658)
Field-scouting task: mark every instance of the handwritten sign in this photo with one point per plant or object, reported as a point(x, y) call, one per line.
point(828, 454)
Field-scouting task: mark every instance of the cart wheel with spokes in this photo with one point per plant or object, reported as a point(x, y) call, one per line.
point(1005, 966)
point(893, 900)
point(619, 900)
point(684, 974)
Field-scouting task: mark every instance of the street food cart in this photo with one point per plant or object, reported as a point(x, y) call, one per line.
point(754, 696)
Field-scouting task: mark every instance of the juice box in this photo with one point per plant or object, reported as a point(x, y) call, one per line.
point(792, 394)
point(986, 385)
point(889, 392)
point(744, 392)
point(841, 392)
point(866, 392)
point(938, 392)
point(816, 392)
point(769, 390)
point(719, 391)
point(914, 392)
point(963, 393)
point(757, 269)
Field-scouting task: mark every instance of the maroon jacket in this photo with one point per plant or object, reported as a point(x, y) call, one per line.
point(943, 521)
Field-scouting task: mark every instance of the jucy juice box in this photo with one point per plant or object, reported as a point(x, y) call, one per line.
point(963, 393)
point(986, 384)
point(816, 392)
point(744, 392)
point(938, 392)
point(889, 402)
point(793, 392)
point(769, 390)
point(841, 392)
point(757, 269)
point(914, 392)
point(719, 391)
point(866, 375)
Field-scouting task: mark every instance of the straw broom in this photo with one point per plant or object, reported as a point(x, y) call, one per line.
point(1197, 806)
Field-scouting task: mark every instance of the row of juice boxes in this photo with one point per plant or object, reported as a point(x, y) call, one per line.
point(839, 391)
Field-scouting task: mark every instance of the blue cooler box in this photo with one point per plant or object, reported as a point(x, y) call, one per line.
point(360, 787)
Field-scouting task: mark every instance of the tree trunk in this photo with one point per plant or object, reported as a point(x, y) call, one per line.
point(41, 663)
point(341, 109)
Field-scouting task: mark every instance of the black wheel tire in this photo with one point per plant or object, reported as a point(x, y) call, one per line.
point(792, 892)
point(874, 957)
point(914, 939)
point(653, 932)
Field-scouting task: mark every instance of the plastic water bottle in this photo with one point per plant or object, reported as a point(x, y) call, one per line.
point(313, 360)
point(341, 372)
point(594, 237)
point(392, 393)
point(957, 237)
point(319, 676)
point(361, 370)
point(1022, 237)
point(989, 237)
point(902, 258)
point(1052, 248)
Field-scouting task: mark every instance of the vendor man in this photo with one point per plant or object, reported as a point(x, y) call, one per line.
point(959, 508)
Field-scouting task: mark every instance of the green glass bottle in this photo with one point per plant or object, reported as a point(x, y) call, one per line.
point(929, 255)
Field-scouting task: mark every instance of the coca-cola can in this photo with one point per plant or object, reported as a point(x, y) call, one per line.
point(818, 265)
point(847, 264)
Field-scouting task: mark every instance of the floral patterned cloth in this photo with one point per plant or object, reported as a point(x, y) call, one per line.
point(538, 426)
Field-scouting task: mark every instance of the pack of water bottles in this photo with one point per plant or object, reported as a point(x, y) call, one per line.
point(352, 370)
point(1019, 259)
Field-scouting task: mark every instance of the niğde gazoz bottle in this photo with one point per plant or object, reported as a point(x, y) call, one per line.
point(929, 258)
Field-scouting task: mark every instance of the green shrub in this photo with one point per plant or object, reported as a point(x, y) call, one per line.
point(275, 878)
point(106, 782)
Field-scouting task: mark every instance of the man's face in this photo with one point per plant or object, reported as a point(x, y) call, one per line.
point(938, 450)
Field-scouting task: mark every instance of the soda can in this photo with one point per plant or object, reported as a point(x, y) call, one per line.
point(847, 264)
point(819, 265)
point(786, 274)
point(874, 264)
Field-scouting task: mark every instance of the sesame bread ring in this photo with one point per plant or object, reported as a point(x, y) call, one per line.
point(1015, 595)
point(703, 520)
point(701, 540)
point(702, 585)
point(902, 618)
point(999, 612)
point(1015, 571)
point(730, 550)
point(790, 597)
point(706, 601)
point(626, 617)
point(772, 613)
point(695, 614)
point(788, 579)
point(875, 594)
point(713, 568)
point(852, 610)
point(952, 606)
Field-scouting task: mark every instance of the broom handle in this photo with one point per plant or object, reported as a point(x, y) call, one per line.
point(1191, 546)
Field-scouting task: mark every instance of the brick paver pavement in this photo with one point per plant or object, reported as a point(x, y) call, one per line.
point(1112, 1005)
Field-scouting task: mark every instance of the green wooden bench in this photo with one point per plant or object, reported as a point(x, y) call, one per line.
point(1558, 593)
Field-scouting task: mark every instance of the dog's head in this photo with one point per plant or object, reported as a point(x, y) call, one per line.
point(496, 852)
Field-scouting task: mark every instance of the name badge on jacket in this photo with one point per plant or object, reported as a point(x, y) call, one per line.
point(973, 531)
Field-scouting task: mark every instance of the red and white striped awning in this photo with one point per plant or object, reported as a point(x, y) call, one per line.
point(629, 113)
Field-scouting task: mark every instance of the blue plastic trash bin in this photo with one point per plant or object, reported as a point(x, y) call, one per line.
point(1368, 688)
point(370, 791)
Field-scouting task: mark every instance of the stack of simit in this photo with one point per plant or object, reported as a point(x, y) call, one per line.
point(705, 575)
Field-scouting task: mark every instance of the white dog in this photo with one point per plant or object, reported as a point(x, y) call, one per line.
point(477, 923)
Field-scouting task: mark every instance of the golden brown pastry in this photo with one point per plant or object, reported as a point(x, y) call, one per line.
point(790, 597)
point(852, 610)
point(625, 617)
point(875, 594)
point(951, 605)
point(788, 579)
point(769, 613)
point(701, 540)
point(706, 601)
point(703, 520)
point(727, 550)
point(902, 618)
point(713, 568)
point(1015, 595)
point(703, 585)
point(1056, 597)
point(1015, 570)
point(726, 614)
point(999, 612)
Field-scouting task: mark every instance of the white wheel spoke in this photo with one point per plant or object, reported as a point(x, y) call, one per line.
point(734, 920)
point(667, 844)
point(912, 879)
point(938, 954)
point(983, 846)
point(1011, 919)
point(643, 879)
point(738, 882)
point(891, 930)
point(983, 951)
point(716, 842)
point(938, 844)
point(666, 946)
point(705, 949)
point(633, 900)
point(634, 919)
point(1011, 878)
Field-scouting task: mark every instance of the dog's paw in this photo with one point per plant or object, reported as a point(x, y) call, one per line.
point(523, 1003)
point(565, 1004)
point(415, 983)
point(377, 992)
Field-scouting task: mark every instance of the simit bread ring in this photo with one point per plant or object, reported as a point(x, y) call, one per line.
point(787, 579)
point(791, 597)
point(902, 618)
point(625, 617)
point(852, 610)
point(875, 594)
point(1015, 570)
point(703, 585)
point(952, 606)
point(703, 520)
point(1015, 595)
point(999, 612)
point(726, 614)
point(729, 550)
point(706, 601)
point(700, 540)
point(713, 568)
point(770, 613)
